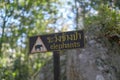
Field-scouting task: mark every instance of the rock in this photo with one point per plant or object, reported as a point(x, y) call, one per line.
point(94, 62)
point(99, 77)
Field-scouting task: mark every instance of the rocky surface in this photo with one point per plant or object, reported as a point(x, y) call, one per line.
point(98, 60)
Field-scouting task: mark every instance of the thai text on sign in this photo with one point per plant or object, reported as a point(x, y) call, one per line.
point(57, 41)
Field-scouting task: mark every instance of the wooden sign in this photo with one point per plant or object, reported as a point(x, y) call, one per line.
point(56, 41)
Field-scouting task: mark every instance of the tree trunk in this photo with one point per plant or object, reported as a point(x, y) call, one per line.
point(72, 65)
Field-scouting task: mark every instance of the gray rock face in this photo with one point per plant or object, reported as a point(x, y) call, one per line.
point(97, 61)
point(100, 77)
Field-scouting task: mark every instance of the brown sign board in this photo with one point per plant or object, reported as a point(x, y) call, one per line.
point(56, 41)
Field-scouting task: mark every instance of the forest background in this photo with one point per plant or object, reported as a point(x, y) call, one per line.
point(20, 19)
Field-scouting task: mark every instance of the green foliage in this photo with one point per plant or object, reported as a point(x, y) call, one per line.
point(19, 20)
point(107, 20)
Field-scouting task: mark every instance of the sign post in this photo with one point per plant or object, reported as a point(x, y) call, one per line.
point(56, 61)
point(56, 42)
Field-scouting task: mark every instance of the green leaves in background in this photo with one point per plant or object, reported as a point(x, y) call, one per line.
point(20, 19)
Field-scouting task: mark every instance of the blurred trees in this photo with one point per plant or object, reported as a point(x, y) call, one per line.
point(107, 19)
point(101, 16)
point(20, 19)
